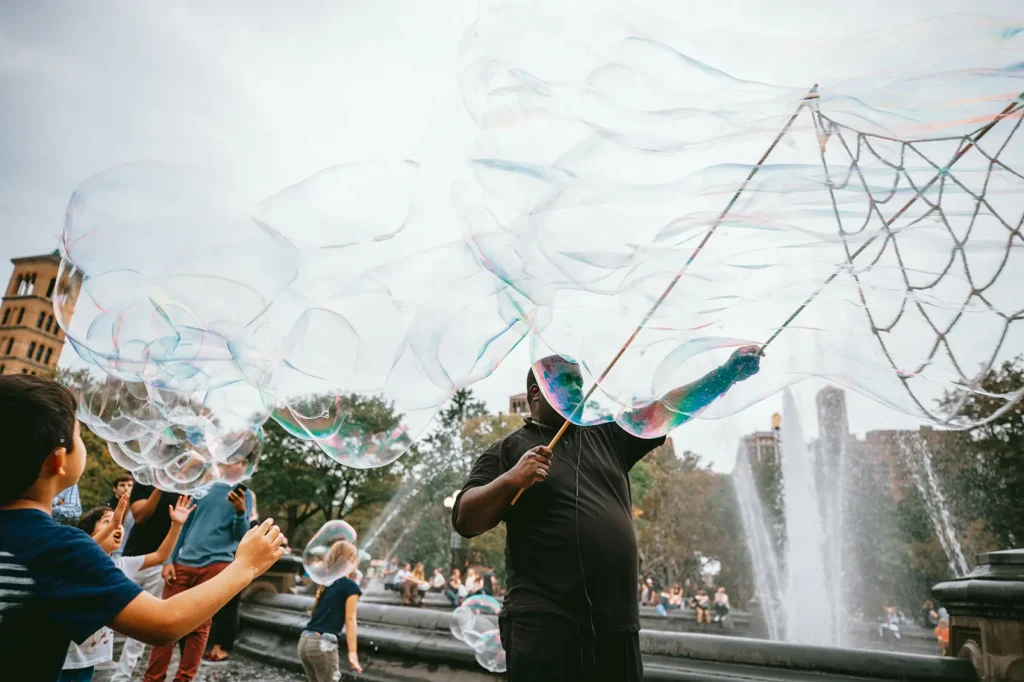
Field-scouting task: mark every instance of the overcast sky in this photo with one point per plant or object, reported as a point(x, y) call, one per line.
point(267, 93)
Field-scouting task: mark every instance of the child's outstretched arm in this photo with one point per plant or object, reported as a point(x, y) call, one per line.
point(179, 514)
point(164, 621)
point(351, 634)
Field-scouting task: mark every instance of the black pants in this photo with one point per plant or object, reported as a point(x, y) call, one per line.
point(541, 647)
point(225, 625)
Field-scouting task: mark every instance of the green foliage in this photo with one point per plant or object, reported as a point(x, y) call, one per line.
point(983, 467)
point(301, 486)
point(687, 511)
point(97, 481)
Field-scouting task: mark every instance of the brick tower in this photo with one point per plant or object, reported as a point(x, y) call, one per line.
point(30, 339)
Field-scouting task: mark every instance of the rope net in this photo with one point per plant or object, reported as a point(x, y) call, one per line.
point(962, 192)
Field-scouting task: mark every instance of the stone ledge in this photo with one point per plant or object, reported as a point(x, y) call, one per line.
point(417, 641)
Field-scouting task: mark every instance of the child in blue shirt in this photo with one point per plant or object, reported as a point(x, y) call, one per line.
point(105, 526)
point(57, 585)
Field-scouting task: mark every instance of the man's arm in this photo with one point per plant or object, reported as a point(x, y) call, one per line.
point(679, 405)
point(164, 621)
point(143, 509)
point(479, 509)
point(68, 505)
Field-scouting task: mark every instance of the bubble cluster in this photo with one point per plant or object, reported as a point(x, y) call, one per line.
point(199, 314)
point(475, 622)
point(617, 183)
point(331, 553)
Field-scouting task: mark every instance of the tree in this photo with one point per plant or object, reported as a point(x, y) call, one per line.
point(298, 482)
point(443, 463)
point(982, 468)
point(685, 511)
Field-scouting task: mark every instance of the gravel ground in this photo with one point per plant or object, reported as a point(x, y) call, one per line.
point(237, 669)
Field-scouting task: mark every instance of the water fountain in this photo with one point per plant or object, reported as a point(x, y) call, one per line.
point(918, 455)
point(801, 601)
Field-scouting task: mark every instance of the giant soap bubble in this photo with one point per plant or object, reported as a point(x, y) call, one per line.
point(331, 553)
point(868, 227)
point(200, 314)
point(475, 622)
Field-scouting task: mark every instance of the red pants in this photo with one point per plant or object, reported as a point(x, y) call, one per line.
point(195, 642)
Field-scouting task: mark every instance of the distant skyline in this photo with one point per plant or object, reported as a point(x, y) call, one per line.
point(266, 94)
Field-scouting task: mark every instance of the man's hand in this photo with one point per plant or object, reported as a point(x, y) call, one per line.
point(237, 500)
point(168, 574)
point(179, 513)
point(745, 362)
point(531, 468)
point(260, 548)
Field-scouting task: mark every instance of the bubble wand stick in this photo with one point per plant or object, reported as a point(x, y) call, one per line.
point(811, 95)
point(1011, 108)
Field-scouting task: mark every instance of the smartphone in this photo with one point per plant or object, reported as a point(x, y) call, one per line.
point(240, 488)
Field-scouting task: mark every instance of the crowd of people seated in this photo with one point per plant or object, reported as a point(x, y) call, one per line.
point(409, 580)
point(708, 609)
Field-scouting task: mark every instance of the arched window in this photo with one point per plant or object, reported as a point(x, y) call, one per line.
point(33, 373)
point(31, 350)
point(39, 322)
point(49, 322)
point(24, 371)
point(21, 315)
point(1, 369)
point(49, 289)
point(10, 345)
point(39, 352)
point(49, 352)
point(7, 316)
point(22, 286)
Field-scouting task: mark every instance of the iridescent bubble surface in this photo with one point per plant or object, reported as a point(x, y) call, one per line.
point(331, 553)
point(855, 201)
point(201, 314)
point(475, 623)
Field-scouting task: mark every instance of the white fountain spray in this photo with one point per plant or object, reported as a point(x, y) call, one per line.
point(919, 457)
point(807, 602)
point(767, 572)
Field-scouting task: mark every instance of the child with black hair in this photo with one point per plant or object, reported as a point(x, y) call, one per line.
point(104, 525)
point(57, 585)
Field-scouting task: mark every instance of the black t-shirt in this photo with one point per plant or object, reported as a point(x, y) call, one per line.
point(56, 586)
point(545, 546)
point(147, 537)
point(329, 614)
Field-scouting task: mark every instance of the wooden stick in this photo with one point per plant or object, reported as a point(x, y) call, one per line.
point(811, 95)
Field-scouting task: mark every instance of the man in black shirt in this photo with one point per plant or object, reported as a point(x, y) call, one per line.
point(151, 509)
point(570, 612)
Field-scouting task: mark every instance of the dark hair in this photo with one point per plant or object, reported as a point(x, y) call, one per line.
point(37, 416)
point(123, 477)
point(92, 517)
point(531, 381)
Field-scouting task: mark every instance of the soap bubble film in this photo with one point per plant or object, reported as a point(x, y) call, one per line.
point(331, 553)
point(865, 222)
point(475, 623)
point(201, 314)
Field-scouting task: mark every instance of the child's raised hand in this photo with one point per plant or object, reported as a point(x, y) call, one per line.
point(120, 511)
point(180, 511)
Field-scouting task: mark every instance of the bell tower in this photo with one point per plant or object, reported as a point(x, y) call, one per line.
point(30, 339)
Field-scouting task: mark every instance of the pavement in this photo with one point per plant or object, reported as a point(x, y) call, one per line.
point(237, 669)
